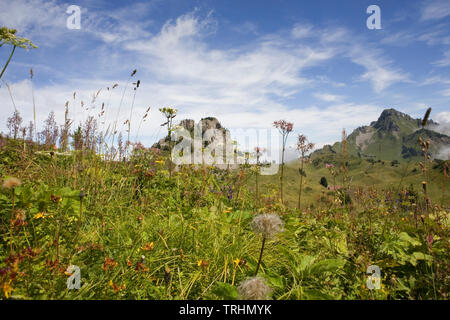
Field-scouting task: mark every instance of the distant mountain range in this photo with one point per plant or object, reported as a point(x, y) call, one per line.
point(394, 136)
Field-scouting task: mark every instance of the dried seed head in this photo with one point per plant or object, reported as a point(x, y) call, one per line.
point(425, 118)
point(20, 215)
point(254, 289)
point(268, 224)
point(11, 183)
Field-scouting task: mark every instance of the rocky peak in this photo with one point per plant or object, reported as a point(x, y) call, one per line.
point(189, 124)
point(210, 123)
point(389, 118)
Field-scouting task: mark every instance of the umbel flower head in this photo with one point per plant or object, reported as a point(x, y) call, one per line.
point(11, 182)
point(254, 289)
point(268, 224)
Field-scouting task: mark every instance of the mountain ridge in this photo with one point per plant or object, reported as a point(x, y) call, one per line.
point(393, 136)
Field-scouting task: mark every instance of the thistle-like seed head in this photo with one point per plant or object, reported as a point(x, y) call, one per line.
point(11, 183)
point(254, 289)
point(268, 224)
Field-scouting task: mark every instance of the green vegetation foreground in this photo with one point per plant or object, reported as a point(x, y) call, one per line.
point(138, 231)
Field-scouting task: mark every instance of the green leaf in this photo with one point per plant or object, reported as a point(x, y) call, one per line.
point(341, 246)
point(305, 263)
point(406, 238)
point(419, 256)
point(327, 265)
point(225, 291)
point(315, 294)
point(275, 281)
point(401, 286)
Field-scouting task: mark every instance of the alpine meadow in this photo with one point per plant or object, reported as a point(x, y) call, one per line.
point(192, 150)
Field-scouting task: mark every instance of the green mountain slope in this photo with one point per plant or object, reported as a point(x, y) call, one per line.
point(394, 136)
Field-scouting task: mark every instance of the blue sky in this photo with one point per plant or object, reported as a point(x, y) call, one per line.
point(248, 63)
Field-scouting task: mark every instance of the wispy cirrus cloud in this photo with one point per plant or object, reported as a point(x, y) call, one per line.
point(328, 97)
point(378, 73)
point(445, 61)
point(45, 21)
point(267, 66)
point(434, 10)
point(300, 31)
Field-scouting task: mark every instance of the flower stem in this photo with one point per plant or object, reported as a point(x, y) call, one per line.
point(11, 221)
point(7, 62)
point(260, 255)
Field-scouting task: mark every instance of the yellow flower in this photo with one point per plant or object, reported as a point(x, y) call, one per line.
point(237, 261)
point(42, 215)
point(148, 246)
point(115, 287)
point(39, 215)
point(202, 263)
point(7, 289)
point(159, 161)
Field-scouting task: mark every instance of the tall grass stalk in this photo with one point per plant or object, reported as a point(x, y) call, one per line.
point(114, 131)
point(131, 112)
point(34, 103)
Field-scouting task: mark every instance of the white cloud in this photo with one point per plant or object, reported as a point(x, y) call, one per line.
point(45, 21)
point(443, 119)
point(435, 79)
point(237, 76)
point(378, 71)
point(26, 15)
point(320, 125)
point(401, 38)
point(436, 10)
point(445, 61)
point(247, 28)
point(243, 86)
point(328, 97)
point(301, 31)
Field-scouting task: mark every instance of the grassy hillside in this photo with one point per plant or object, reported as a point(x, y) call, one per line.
point(381, 175)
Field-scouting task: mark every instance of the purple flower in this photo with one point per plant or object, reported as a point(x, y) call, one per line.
point(230, 193)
